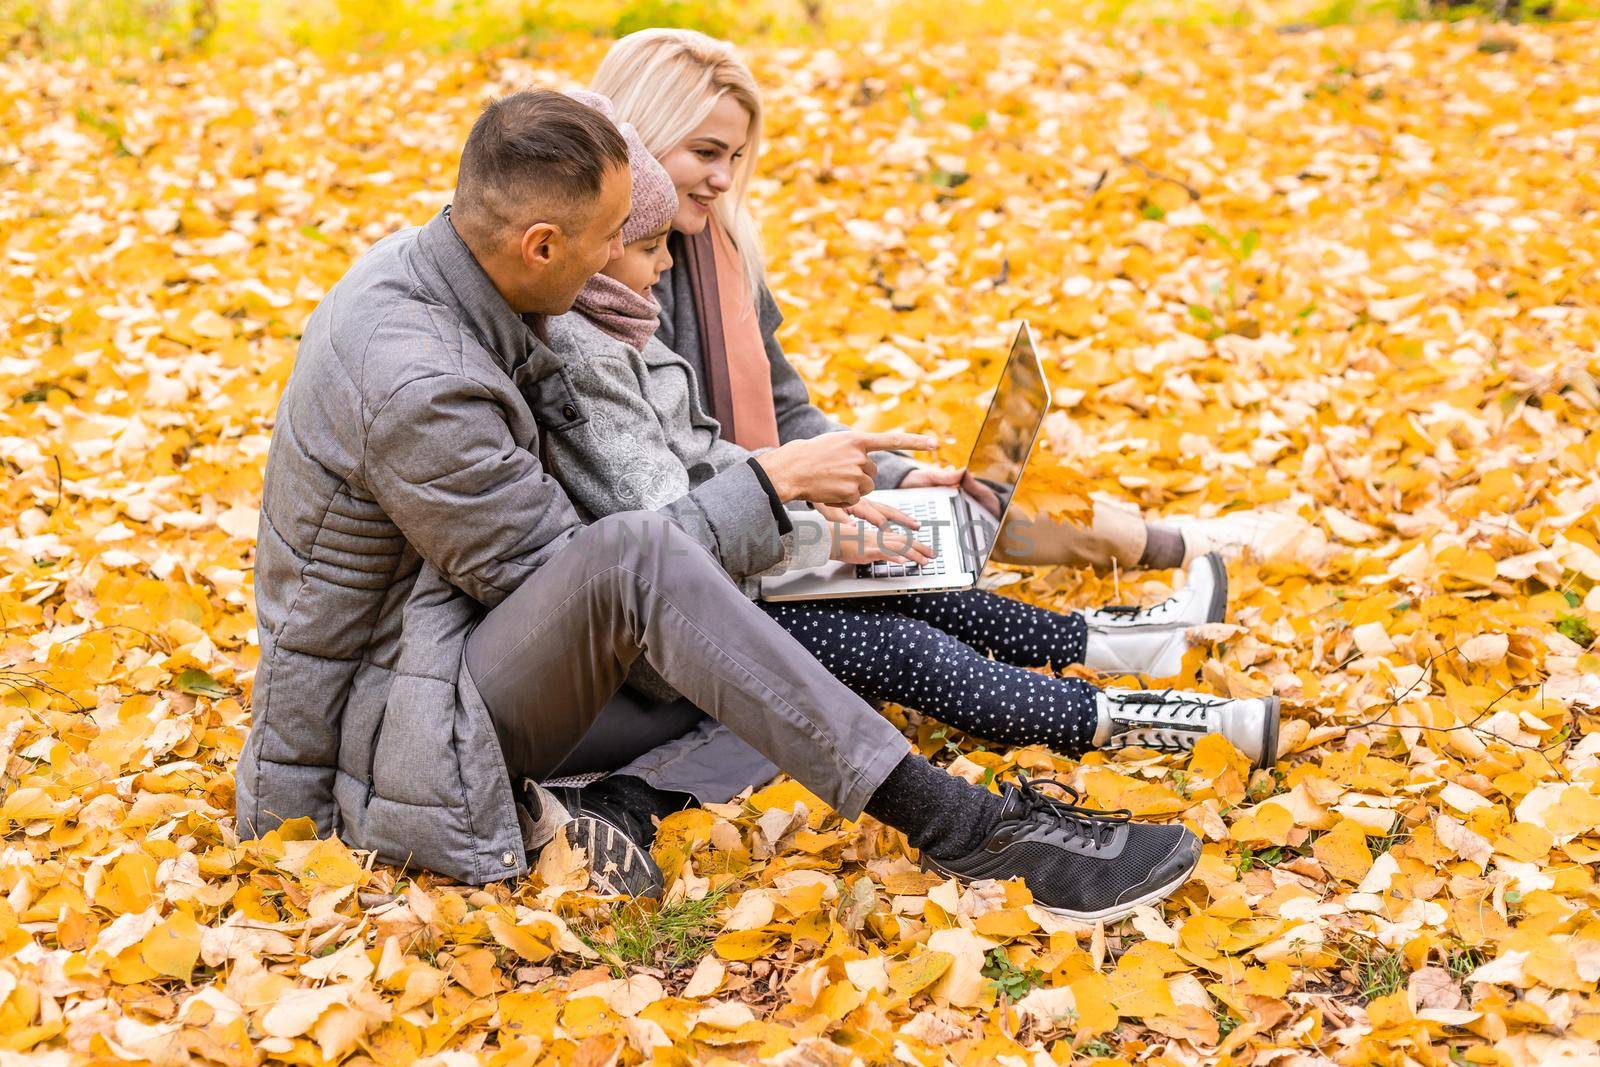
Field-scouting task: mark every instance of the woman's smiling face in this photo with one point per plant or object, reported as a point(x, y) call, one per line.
point(703, 164)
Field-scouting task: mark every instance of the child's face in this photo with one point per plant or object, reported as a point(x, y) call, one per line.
point(641, 263)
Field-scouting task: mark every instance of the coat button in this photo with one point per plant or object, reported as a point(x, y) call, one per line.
point(569, 412)
point(508, 859)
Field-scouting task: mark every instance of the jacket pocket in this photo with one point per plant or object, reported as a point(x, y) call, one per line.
point(555, 402)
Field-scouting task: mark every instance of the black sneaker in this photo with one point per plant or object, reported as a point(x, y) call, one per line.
point(616, 841)
point(1080, 863)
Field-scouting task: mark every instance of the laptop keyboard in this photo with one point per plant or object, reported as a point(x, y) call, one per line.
point(926, 512)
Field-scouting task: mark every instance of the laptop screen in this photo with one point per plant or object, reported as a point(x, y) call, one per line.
point(1016, 414)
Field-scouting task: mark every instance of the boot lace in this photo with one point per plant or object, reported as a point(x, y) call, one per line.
point(1090, 823)
point(1156, 740)
point(1134, 613)
point(1169, 706)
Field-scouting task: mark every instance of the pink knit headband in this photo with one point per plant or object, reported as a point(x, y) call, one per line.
point(655, 201)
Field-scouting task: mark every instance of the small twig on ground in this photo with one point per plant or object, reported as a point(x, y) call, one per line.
point(1135, 161)
point(1471, 724)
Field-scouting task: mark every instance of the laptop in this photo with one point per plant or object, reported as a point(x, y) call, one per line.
point(960, 524)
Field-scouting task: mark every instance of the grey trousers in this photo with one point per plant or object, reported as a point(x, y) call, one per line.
point(551, 656)
point(676, 747)
point(671, 745)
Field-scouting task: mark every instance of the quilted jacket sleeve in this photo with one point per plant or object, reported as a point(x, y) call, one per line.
point(441, 461)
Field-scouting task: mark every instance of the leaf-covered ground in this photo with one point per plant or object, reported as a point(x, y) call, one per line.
point(1346, 275)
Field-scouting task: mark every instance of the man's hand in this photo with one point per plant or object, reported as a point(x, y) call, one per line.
point(833, 468)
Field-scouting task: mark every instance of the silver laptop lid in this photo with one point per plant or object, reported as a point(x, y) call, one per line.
point(1016, 415)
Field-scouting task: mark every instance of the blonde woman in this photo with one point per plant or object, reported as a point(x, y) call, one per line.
point(698, 109)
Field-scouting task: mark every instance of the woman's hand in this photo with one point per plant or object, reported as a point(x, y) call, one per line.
point(833, 468)
point(932, 478)
point(954, 478)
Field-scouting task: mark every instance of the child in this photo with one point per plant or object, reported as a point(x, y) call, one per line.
point(646, 440)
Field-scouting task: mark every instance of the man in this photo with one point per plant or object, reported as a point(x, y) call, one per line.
point(436, 622)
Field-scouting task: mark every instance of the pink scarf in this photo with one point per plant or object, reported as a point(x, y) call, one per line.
point(630, 317)
point(755, 420)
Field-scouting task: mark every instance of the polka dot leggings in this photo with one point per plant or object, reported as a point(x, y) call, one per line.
point(928, 651)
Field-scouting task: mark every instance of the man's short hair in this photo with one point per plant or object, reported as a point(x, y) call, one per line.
point(534, 156)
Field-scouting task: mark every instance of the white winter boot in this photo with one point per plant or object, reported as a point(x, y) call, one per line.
point(1152, 640)
point(1169, 720)
point(1252, 535)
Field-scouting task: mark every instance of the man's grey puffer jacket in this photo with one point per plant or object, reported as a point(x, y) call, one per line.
point(403, 498)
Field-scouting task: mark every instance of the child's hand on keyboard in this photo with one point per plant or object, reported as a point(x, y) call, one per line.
point(860, 542)
point(879, 515)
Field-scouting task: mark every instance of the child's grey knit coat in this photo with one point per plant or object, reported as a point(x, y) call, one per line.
point(647, 440)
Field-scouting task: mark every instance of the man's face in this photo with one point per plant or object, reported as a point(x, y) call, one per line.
point(583, 253)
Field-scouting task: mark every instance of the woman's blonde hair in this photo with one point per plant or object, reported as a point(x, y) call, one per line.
point(665, 82)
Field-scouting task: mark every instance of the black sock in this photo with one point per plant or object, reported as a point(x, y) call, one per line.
point(939, 813)
point(1163, 547)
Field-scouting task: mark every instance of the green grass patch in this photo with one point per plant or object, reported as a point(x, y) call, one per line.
point(667, 936)
point(108, 28)
point(1373, 971)
point(1577, 629)
point(1010, 981)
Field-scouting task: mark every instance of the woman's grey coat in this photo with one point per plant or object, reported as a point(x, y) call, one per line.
point(798, 417)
